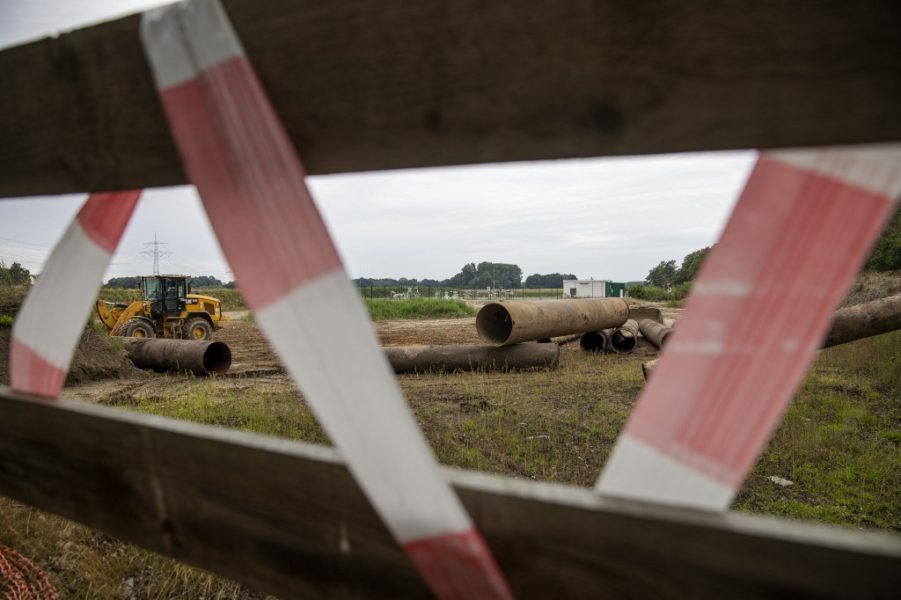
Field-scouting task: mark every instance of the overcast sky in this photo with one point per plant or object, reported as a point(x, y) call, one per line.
point(603, 218)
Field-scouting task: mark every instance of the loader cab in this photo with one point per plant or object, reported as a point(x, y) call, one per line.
point(166, 294)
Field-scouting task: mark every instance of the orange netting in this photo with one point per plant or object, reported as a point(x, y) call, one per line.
point(21, 579)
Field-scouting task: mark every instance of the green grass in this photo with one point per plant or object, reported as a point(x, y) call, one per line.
point(83, 563)
point(381, 309)
point(839, 442)
point(6, 321)
point(86, 564)
point(554, 425)
point(11, 297)
point(236, 403)
point(119, 294)
point(231, 299)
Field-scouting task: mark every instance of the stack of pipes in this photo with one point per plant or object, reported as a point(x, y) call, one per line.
point(849, 324)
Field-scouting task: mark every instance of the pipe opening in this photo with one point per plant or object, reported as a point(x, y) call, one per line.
point(665, 336)
point(494, 323)
point(623, 341)
point(217, 358)
point(593, 341)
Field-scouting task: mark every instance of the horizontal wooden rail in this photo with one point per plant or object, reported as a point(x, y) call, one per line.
point(286, 517)
point(386, 84)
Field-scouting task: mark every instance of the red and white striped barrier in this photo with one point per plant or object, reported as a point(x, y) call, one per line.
point(756, 315)
point(251, 181)
point(50, 321)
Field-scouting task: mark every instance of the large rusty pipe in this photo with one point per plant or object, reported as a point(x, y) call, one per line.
point(508, 323)
point(654, 332)
point(622, 339)
point(198, 357)
point(595, 341)
point(865, 320)
point(850, 324)
point(410, 359)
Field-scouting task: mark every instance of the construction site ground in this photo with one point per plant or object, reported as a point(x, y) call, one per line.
point(492, 421)
point(837, 446)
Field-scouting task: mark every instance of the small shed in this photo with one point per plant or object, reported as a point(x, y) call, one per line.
point(593, 288)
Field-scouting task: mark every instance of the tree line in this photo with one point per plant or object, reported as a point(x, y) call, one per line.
point(885, 256)
point(668, 277)
point(200, 281)
point(666, 281)
point(667, 274)
point(477, 275)
point(15, 274)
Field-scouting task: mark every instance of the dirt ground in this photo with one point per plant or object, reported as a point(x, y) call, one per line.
point(97, 358)
point(254, 360)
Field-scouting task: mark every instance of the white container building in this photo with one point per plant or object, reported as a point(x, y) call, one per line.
point(592, 288)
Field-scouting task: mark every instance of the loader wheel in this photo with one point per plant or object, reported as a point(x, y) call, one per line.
point(139, 329)
point(196, 329)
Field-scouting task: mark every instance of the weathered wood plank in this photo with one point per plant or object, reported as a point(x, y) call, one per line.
point(286, 517)
point(386, 84)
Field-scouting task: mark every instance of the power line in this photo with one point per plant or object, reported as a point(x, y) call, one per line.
point(24, 243)
point(156, 249)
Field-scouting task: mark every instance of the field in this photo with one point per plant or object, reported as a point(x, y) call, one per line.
point(838, 444)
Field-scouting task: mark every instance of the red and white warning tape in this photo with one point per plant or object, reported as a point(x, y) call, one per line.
point(50, 321)
point(251, 182)
point(756, 315)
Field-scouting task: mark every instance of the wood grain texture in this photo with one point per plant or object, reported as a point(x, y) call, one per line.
point(286, 517)
point(366, 85)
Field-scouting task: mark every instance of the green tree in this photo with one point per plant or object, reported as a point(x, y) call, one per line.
point(550, 280)
point(205, 281)
point(15, 274)
point(464, 277)
point(886, 255)
point(128, 283)
point(691, 264)
point(663, 274)
point(484, 274)
point(498, 275)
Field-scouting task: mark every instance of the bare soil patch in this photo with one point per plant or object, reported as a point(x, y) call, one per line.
point(97, 357)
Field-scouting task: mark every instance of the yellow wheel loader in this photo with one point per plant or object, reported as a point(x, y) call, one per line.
point(168, 309)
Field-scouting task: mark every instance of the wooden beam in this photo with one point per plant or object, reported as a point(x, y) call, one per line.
point(287, 518)
point(386, 84)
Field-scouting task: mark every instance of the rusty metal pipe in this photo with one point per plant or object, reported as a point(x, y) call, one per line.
point(198, 357)
point(850, 323)
point(865, 320)
point(595, 341)
point(566, 339)
point(654, 332)
point(623, 338)
point(508, 323)
point(410, 359)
